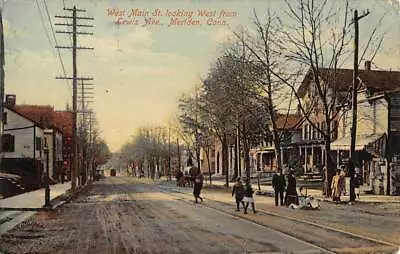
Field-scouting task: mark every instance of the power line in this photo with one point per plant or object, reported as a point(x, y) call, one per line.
point(56, 42)
point(44, 27)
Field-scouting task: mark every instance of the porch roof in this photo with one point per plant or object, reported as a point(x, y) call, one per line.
point(361, 142)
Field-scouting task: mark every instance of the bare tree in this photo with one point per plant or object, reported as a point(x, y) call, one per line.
point(264, 64)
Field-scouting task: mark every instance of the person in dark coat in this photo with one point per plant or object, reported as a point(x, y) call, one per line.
point(198, 185)
point(291, 192)
point(248, 198)
point(238, 190)
point(279, 184)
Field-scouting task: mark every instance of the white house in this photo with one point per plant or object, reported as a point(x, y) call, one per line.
point(22, 146)
point(27, 130)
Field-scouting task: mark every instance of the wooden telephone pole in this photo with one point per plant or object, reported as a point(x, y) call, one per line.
point(74, 78)
point(353, 158)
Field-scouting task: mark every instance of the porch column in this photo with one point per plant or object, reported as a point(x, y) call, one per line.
point(261, 161)
point(312, 158)
point(305, 159)
point(337, 158)
point(281, 156)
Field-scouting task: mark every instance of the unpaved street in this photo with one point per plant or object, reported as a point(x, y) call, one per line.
point(123, 215)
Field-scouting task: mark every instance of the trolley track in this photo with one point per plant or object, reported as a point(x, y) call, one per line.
point(325, 237)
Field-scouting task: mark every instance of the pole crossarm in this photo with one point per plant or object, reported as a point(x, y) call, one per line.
point(67, 24)
point(359, 17)
point(70, 17)
point(71, 9)
point(72, 78)
point(86, 97)
point(68, 32)
point(69, 47)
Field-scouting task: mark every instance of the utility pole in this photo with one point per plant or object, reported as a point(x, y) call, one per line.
point(2, 62)
point(353, 157)
point(74, 78)
point(85, 99)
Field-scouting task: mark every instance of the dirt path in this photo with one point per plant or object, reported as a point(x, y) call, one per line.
point(121, 215)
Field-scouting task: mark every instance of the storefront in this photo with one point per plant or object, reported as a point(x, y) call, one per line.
point(371, 160)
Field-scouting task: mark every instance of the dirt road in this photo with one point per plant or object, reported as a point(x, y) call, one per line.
point(123, 215)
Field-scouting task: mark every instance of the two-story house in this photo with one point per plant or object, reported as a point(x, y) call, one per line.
point(49, 128)
point(378, 131)
point(22, 144)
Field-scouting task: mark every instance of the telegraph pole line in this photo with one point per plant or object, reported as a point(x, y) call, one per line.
point(74, 78)
point(353, 158)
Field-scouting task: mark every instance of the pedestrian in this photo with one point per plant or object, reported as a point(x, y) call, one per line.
point(248, 198)
point(238, 190)
point(291, 196)
point(337, 186)
point(279, 184)
point(62, 177)
point(198, 184)
point(179, 176)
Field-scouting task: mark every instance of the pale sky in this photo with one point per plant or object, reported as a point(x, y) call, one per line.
point(144, 69)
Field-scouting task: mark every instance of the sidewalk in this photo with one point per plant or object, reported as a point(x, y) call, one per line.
point(34, 199)
point(318, 194)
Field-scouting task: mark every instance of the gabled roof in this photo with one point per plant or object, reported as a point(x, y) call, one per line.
point(290, 121)
point(373, 80)
point(64, 121)
point(38, 113)
point(46, 117)
point(22, 115)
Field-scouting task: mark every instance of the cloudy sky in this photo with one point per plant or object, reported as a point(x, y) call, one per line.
point(140, 71)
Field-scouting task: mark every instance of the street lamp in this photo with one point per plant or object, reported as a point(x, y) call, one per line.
point(47, 190)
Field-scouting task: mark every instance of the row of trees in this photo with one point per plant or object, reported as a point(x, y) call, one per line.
point(152, 148)
point(258, 77)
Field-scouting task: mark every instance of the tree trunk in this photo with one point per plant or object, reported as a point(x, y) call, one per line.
point(225, 158)
point(208, 162)
point(277, 149)
point(330, 171)
point(246, 151)
point(235, 167)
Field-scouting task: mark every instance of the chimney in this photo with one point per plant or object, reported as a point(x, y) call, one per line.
point(10, 100)
point(367, 65)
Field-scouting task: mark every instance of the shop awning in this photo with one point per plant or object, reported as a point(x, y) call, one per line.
point(361, 142)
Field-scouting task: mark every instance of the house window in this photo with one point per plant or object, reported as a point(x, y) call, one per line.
point(305, 132)
point(323, 128)
point(8, 143)
point(38, 143)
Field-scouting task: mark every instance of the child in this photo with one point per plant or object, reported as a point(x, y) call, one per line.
point(238, 191)
point(249, 198)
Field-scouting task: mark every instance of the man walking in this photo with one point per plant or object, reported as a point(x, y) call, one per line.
point(239, 191)
point(279, 184)
point(198, 184)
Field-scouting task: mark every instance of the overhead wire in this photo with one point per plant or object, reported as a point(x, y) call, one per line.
point(56, 43)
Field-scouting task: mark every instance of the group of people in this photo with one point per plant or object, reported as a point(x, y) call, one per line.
point(243, 195)
point(338, 185)
point(183, 179)
point(279, 185)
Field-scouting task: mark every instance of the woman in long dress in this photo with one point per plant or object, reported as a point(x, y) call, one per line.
point(291, 192)
point(337, 186)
